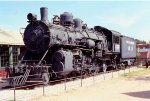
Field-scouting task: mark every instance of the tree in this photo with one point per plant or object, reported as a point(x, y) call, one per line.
point(140, 41)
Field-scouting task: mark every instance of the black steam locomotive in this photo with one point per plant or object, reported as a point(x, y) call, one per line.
point(66, 46)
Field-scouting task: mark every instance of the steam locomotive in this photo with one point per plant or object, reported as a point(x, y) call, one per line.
point(66, 46)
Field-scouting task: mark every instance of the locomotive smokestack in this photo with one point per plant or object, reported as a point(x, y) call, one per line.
point(44, 13)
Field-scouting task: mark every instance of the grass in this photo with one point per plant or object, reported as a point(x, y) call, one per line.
point(10, 100)
point(143, 72)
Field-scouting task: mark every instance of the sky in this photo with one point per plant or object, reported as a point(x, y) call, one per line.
point(130, 18)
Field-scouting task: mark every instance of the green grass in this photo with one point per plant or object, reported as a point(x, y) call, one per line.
point(10, 100)
point(137, 73)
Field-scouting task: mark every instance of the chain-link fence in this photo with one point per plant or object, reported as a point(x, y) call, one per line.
point(35, 88)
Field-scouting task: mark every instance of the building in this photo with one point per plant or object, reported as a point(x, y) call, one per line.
point(11, 44)
point(143, 53)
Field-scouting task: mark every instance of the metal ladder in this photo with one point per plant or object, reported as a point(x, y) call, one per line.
point(25, 77)
point(20, 80)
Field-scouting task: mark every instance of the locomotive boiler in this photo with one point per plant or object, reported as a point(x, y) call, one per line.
point(66, 46)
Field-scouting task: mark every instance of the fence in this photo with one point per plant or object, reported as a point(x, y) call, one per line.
point(23, 93)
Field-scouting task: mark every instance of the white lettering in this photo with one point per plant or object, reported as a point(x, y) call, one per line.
point(130, 42)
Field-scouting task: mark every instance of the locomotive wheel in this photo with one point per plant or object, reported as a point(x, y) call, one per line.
point(45, 78)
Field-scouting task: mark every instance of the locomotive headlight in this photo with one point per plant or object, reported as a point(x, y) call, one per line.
point(32, 17)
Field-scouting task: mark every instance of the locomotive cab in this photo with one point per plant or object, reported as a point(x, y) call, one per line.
point(115, 41)
point(112, 37)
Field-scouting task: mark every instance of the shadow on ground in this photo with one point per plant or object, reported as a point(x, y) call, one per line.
point(147, 78)
point(141, 94)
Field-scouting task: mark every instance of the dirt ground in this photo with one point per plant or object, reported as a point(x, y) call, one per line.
point(116, 89)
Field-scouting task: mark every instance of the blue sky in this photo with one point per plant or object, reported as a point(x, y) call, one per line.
point(130, 18)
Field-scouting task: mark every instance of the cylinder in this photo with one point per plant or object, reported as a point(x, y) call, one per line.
point(44, 13)
point(58, 56)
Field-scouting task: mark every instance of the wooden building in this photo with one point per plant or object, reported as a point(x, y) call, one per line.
point(143, 51)
point(11, 45)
